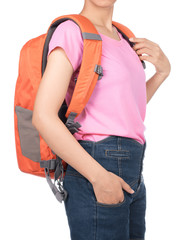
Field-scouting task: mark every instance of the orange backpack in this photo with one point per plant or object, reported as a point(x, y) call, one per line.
point(34, 156)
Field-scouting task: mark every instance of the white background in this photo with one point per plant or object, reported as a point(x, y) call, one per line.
point(28, 208)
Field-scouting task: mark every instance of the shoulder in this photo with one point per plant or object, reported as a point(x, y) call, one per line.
point(68, 36)
point(69, 29)
point(70, 24)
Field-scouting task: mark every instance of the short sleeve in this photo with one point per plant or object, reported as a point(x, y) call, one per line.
point(68, 36)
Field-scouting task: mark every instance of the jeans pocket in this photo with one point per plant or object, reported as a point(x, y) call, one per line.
point(105, 204)
point(114, 153)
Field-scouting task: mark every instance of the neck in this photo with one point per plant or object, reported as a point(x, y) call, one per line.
point(100, 16)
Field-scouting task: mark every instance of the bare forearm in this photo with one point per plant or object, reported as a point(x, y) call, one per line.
point(153, 84)
point(64, 144)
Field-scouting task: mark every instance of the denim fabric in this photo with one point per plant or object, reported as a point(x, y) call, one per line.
point(92, 220)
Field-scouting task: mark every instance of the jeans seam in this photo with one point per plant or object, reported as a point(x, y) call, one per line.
point(95, 208)
point(135, 193)
point(133, 183)
point(120, 167)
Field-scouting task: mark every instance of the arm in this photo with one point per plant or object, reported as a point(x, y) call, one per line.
point(153, 84)
point(156, 56)
point(50, 95)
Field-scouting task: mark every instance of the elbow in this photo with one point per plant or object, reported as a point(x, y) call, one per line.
point(36, 118)
point(39, 118)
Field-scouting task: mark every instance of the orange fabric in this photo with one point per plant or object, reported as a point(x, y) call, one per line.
point(124, 29)
point(25, 92)
point(30, 75)
point(87, 78)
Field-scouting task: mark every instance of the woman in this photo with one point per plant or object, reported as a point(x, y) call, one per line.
point(106, 190)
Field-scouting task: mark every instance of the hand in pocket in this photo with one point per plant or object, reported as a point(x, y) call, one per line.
point(108, 188)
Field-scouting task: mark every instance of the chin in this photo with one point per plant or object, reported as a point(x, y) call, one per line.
point(103, 3)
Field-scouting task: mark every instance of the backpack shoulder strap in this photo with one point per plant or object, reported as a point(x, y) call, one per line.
point(90, 70)
point(126, 33)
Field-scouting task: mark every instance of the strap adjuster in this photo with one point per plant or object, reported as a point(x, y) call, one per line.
point(99, 70)
point(56, 165)
point(71, 125)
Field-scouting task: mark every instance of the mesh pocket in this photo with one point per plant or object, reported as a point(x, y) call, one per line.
point(28, 134)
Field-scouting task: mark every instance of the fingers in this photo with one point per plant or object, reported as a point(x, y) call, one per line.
point(123, 198)
point(127, 187)
point(142, 40)
point(145, 51)
point(148, 58)
point(145, 46)
point(141, 45)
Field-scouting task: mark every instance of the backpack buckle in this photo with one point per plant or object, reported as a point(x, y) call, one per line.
point(99, 70)
point(71, 125)
point(56, 165)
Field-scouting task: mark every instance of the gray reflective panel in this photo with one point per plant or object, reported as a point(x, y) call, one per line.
point(28, 134)
point(93, 36)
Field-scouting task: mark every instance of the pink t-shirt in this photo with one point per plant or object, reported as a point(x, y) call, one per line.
point(117, 105)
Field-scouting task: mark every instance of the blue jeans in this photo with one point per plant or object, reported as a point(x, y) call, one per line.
point(92, 220)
